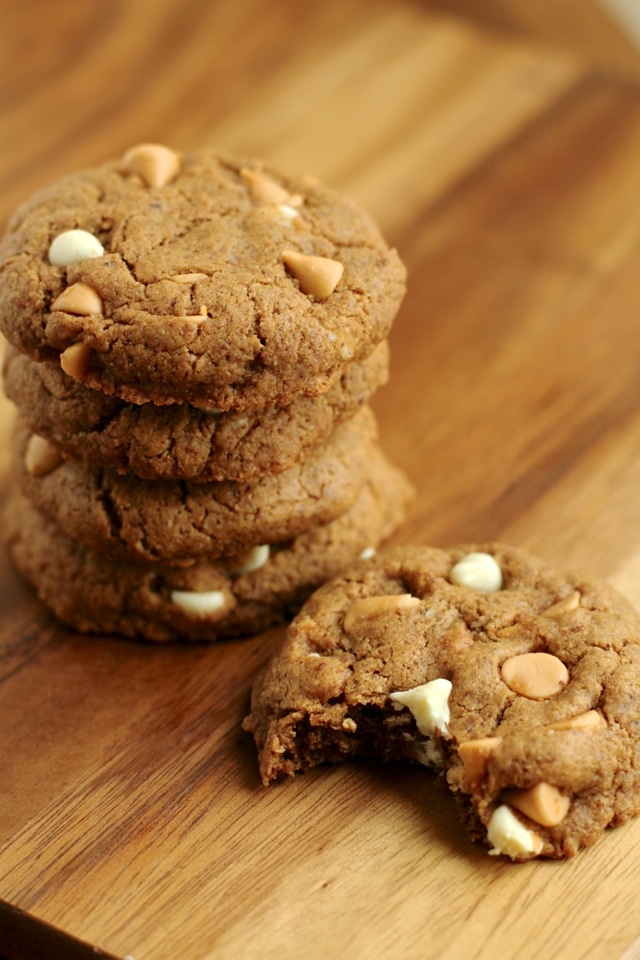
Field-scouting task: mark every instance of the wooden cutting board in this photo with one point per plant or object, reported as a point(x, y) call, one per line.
point(132, 819)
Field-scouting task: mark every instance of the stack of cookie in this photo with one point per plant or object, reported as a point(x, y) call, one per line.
point(193, 341)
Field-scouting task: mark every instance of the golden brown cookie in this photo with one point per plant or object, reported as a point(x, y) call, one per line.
point(178, 521)
point(522, 683)
point(215, 281)
point(178, 441)
point(230, 596)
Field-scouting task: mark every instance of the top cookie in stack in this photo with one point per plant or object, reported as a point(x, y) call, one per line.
point(196, 279)
point(193, 319)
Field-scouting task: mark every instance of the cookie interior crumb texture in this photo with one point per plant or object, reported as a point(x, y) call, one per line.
point(525, 697)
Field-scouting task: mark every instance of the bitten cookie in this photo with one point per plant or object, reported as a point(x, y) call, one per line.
point(521, 682)
point(164, 277)
point(178, 521)
point(211, 599)
point(178, 441)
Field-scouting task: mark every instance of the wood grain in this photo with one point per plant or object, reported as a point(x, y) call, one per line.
point(587, 28)
point(131, 814)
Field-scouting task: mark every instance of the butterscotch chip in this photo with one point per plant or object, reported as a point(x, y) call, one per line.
point(178, 441)
point(544, 804)
point(75, 360)
point(485, 740)
point(535, 675)
point(475, 756)
point(41, 457)
point(317, 276)
point(371, 607)
point(155, 163)
point(264, 189)
point(591, 720)
point(135, 224)
point(80, 299)
point(566, 605)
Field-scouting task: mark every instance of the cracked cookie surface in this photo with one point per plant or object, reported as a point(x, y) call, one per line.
point(178, 441)
point(179, 521)
point(94, 594)
point(526, 693)
point(206, 288)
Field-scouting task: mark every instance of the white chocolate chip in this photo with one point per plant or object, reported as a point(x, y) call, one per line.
point(287, 213)
point(199, 603)
point(429, 704)
point(479, 571)
point(72, 246)
point(507, 835)
point(368, 553)
point(254, 559)
point(428, 753)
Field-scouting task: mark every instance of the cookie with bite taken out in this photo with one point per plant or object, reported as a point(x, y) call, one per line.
point(520, 682)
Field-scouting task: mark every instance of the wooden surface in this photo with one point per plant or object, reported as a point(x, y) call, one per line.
point(131, 814)
point(597, 30)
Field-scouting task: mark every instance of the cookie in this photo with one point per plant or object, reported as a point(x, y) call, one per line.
point(217, 281)
point(211, 599)
point(178, 521)
point(519, 682)
point(178, 441)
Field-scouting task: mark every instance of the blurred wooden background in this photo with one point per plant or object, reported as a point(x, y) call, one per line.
point(605, 33)
point(497, 143)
